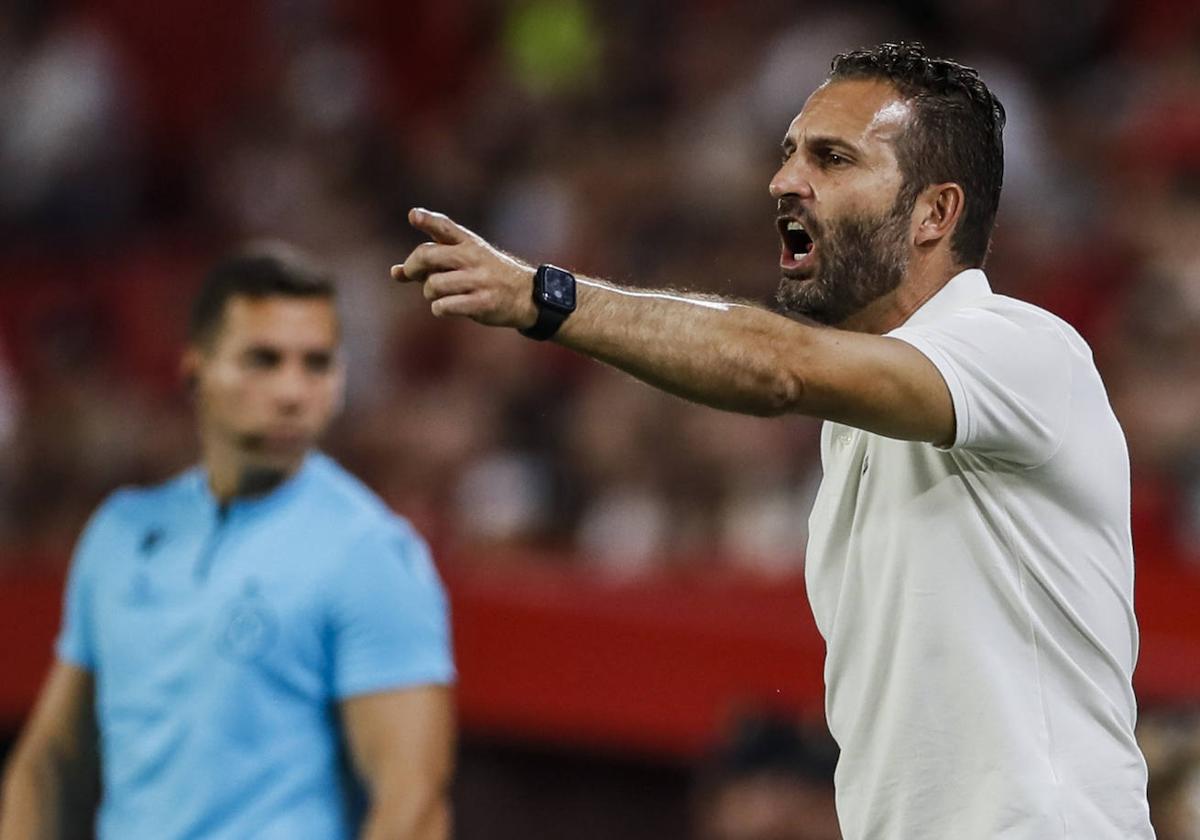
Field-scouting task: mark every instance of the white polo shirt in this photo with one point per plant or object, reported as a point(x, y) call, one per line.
point(977, 601)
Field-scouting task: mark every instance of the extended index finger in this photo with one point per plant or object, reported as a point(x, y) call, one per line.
point(440, 227)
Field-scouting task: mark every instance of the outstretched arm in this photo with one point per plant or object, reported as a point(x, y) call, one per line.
point(721, 353)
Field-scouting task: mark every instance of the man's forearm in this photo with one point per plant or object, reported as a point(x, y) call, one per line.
point(45, 799)
point(721, 353)
point(408, 817)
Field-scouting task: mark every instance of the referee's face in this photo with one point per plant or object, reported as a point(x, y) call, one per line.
point(846, 239)
point(269, 383)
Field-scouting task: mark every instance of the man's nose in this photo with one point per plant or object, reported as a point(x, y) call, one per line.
point(791, 179)
point(291, 387)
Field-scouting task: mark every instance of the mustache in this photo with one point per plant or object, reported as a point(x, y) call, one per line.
point(789, 207)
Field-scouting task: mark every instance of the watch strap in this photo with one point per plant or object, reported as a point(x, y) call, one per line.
point(546, 325)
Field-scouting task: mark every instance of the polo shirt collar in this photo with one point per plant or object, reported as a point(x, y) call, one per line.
point(960, 290)
point(284, 491)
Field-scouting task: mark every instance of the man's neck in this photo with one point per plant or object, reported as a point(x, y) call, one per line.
point(921, 282)
point(229, 478)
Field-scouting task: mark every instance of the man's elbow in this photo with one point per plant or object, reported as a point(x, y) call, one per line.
point(781, 392)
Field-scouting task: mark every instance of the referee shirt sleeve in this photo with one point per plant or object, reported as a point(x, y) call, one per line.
point(389, 623)
point(75, 643)
point(1009, 373)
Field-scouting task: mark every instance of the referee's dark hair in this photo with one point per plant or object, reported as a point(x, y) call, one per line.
point(956, 134)
point(258, 271)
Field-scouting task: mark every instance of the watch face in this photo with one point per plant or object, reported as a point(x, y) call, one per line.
point(558, 289)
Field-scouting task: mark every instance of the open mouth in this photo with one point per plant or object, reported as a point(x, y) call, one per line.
point(798, 243)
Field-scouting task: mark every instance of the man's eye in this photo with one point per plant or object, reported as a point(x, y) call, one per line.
point(262, 359)
point(318, 363)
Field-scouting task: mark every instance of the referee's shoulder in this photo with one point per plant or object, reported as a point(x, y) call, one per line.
point(359, 511)
point(132, 504)
point(125, 515)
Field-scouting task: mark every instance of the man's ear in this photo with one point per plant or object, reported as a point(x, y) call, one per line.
point(940, 208)
point(189, 369)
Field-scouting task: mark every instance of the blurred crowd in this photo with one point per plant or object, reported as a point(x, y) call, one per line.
point(772, 779)
point(625, 139)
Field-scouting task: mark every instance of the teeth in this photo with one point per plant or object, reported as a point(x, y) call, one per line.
point(795, 226)
point(798, 257)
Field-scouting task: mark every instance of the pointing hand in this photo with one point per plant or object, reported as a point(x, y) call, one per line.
point(462, 274)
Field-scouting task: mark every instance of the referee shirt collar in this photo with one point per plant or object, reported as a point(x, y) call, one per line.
point(960, 290)
point(276, 496)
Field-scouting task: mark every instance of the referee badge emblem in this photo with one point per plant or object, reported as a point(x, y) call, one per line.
point(248, 625)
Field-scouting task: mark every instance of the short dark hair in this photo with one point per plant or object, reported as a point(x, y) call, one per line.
point(258, 271)
point(956, 134)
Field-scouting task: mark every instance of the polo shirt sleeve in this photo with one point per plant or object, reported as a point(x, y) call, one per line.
point(75, 644)
point(1009, 373)
point(389, 622)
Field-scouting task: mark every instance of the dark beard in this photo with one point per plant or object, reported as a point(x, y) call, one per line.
point(861, 260)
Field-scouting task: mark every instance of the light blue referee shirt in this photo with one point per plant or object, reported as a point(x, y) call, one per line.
point(221, 640)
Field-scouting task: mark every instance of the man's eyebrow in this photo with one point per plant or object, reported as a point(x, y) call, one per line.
point(831, 142)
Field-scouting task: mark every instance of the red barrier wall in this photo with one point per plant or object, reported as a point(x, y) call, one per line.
point(651, 666)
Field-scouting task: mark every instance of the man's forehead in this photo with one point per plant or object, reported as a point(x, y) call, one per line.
point(280, 318)
point(855, 110)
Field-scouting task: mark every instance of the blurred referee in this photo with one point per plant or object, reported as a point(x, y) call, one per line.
point(970, 563)
point(257, 648)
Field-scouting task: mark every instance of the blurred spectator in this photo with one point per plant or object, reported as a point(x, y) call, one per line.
point(67, 165)
point(10, 407)
point(552, 46)
point(86, 431)
point(773, 780)
point(1172, 749)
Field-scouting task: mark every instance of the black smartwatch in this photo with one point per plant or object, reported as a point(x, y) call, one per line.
point(554, 296)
